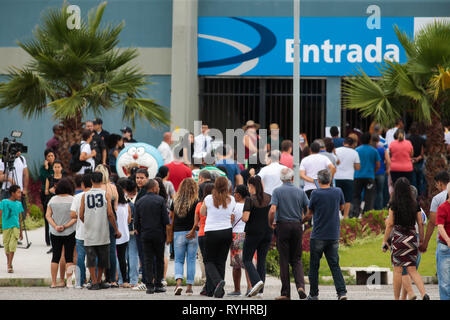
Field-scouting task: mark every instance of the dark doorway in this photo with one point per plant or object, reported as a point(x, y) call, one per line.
point(227, 103)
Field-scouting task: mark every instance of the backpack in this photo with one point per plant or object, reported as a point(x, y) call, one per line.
point(75, 163)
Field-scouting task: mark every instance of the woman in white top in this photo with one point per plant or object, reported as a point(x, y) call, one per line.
point(240, 194)
point(218, 208)
point(62, 230)
point(111, 191)
point(123, 220)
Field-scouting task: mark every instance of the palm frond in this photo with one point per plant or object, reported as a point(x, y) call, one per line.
point(368, 96)
point(95, 17)
point(439, 82)
point(406, 42)
point(154, 113)
point(26, 89)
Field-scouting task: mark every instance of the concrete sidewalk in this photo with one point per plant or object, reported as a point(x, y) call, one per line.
point(32, 268)
point(32, 265)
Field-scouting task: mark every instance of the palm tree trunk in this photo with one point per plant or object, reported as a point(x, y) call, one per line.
point(70, 134)
point(435, 155)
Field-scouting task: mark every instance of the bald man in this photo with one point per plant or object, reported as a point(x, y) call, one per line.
point(164, 148)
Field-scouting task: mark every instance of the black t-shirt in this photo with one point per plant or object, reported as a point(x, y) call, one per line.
point(417, 143)
point(185, 223)
point(258, 222)
point(401, 217)
point(98, 145)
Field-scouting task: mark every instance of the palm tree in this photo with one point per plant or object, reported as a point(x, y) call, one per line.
point(74, 71)
point(419, 87)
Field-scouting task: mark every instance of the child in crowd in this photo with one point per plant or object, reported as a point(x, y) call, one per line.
point(10, 210)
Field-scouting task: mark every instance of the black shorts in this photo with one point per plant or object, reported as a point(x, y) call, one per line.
point(97, 252)
point(347, 188)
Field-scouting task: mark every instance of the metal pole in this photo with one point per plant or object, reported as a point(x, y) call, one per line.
point(296, 102)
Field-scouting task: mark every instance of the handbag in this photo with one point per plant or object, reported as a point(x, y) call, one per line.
point(169, 233)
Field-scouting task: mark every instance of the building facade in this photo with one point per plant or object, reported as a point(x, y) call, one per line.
point(228, 61)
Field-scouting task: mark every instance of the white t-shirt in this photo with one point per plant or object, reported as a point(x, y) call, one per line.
point(345, 170)
point(85, 147)
point(166, 152)
point(122, 223)
point(239, 225)
point(218, 218)
point(76, 204)
point(202, 145)
point(447, 137)
point(19, 165)
point(270, 175)
point(390, 135)
point(312, 164)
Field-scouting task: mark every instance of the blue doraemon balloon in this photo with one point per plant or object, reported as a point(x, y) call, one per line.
point(140, 155)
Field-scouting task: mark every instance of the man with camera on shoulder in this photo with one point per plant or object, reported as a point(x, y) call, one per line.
point(19, 176)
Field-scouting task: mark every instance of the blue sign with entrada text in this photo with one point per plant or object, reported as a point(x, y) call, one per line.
point(264, 46)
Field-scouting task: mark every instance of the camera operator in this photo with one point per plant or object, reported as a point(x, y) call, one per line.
point(22, 176)
point(97, 144)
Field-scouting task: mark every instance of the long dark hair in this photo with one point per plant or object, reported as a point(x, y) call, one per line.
point(207, 190)
point(403, 204)
point(255, 182)
point(121, 194)
point(162, 188)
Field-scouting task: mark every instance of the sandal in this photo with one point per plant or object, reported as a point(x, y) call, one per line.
point(114, 285)
point(10, 270)
point(60, 285)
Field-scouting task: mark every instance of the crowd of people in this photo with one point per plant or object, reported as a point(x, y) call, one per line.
point(119, 228)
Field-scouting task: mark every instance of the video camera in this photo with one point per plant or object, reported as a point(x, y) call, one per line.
point(10, 148)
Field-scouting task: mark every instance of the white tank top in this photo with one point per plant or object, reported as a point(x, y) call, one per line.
point(96, 226)
point(122, 223)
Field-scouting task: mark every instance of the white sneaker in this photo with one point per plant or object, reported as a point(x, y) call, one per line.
point(78, 287)
point(258, 286)
point(164, 282)
point(141, 287)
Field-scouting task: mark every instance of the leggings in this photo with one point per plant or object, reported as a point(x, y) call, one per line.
point(58, 242)
point(121, 250)
point(217, 245)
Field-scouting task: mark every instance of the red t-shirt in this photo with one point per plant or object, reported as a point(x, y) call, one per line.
point(201, 225)
point(287, 160)
point(178, 171)
point(401, 155)
point(443, 217)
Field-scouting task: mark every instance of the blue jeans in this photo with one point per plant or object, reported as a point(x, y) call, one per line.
point(133, 262)
point(185, 249)
point(330, 249)
point(418, 177)
point(443, 270)
point(81, 266)
point(111, 272)
point(379, 200)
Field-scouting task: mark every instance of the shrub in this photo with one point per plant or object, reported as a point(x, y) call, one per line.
point(36, 212)
point(372, 222)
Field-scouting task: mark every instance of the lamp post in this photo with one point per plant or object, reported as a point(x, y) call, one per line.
point(296, 98)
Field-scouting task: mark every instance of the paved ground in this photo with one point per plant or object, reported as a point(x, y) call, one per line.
point(33, 263)
point(271, 291)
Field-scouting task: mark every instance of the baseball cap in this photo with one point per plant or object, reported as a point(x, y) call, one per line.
point(126, 129)
point(98, 121)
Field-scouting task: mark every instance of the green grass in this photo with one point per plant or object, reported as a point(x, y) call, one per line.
point(367, 252)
